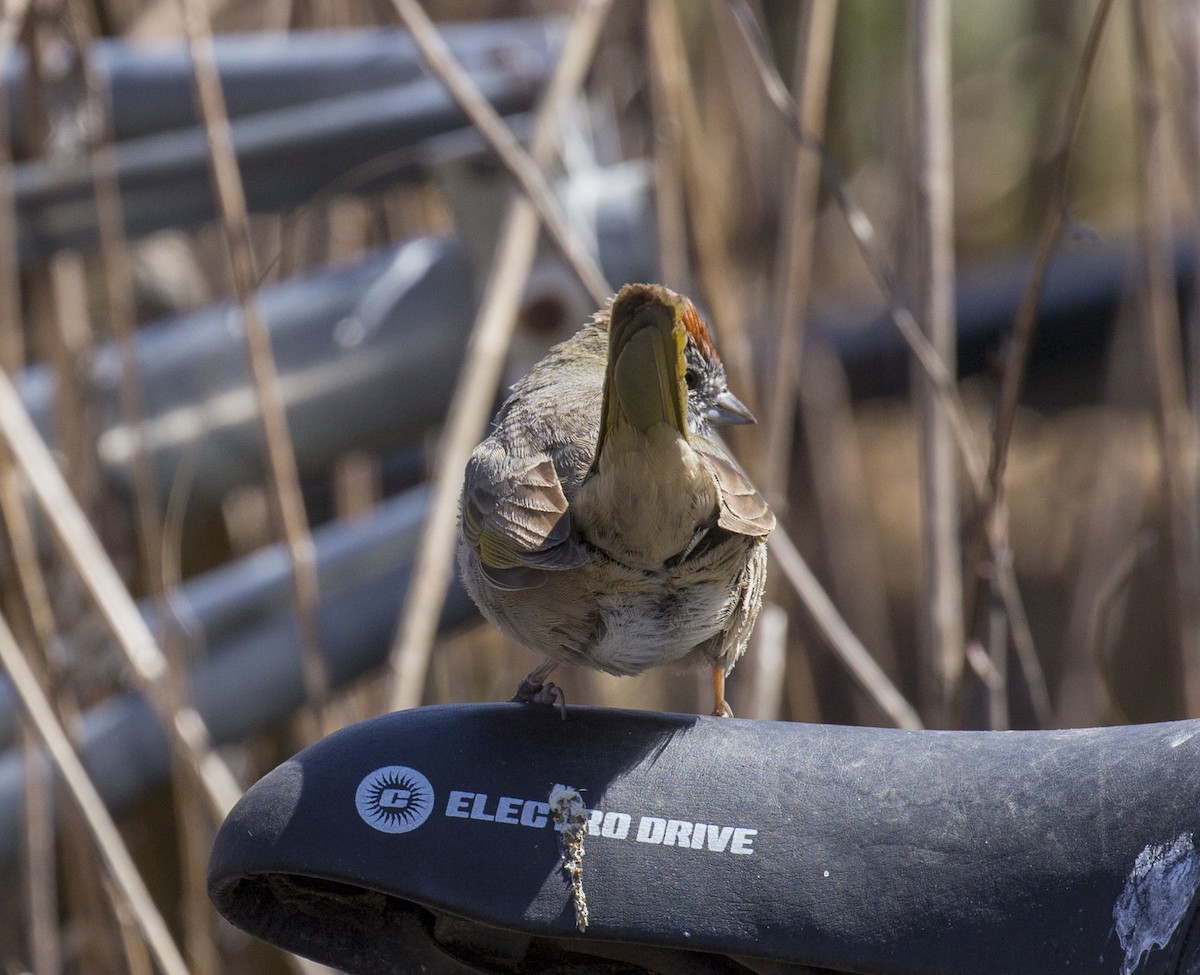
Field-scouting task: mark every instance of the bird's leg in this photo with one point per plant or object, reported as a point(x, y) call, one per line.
point(535, 690)
point(721, 708)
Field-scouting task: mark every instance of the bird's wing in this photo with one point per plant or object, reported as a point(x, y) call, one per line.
point(742, 509)
point(515, 517)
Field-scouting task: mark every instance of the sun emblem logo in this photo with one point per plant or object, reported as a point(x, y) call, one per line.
point(394, 799)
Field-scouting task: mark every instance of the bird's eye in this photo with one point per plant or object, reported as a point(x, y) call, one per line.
point(692, 378)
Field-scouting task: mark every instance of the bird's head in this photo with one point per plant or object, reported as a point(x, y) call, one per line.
point(709, 399)
point(663, 367)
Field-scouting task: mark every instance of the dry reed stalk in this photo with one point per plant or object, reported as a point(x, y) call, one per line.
point(792, 280)
point(195, 836)
point(54, 310)
point(72, 306)
point(38, 847)
point(59, 303)
point(668, 59)
point(1188, 35)
point(701, 203)
point(1114, 512)
point(40, 878)
point(996, 658)
point(58, 307)
point(119, 291)
point(91, 937)
point(38, 852)
point(740, 161)
point(482, 367)
point(22, 545)
point(992, 529)
point(40, 882)
point(1107, 609)
point(800, 692)
point(761, 695)
point(12, 344)
point(669, 206)
point(1161, 330)
point(793, 269)
point(1018, 622)
point(940, 618)
point(1187, 41)
point(821, 609)
point(849, 541)
point(57, 289)
point(23, 551)
point(877, 264)
point(850, 651)
point(1049, 235)
point(286, 502)
point(138, 960)
point(38, 633)
point(867, 242)
point(671, 226)
point(356, 485)
point(119, 295)
point(112, 849)
point(78, 542)
point(441, 63)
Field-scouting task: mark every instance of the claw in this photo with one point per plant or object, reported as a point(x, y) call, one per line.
point(548, 693)
point(535, 689)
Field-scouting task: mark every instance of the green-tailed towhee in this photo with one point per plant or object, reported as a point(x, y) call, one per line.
point(600, 523)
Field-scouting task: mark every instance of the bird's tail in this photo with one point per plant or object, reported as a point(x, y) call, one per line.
point(646, 379)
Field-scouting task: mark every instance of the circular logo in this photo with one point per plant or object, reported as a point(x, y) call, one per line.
point(394, 799)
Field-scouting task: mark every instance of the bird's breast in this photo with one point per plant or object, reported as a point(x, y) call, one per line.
point(647, 497)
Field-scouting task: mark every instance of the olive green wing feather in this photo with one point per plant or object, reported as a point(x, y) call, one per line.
point(742, 509)
point(516, 519)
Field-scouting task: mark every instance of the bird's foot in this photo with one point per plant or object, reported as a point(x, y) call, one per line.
point(532, 690)
point(722, 710)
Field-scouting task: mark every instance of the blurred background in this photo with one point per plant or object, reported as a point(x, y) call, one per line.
point(267, 267)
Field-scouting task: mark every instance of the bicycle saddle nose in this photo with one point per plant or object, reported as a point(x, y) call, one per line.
point(425, 842)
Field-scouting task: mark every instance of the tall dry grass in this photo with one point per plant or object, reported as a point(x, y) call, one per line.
point(1017, 549)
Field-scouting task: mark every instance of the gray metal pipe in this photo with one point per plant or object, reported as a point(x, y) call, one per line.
point(250, 677)
point(151, 82)
point(367, 357)
point(360, 142)
point(367, 353)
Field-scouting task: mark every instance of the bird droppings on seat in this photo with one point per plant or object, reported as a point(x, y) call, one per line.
point(1156, 897)
point(570, 818)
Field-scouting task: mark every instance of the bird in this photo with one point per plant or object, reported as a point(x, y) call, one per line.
point(602, 523)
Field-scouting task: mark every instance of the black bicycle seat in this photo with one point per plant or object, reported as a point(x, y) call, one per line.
point(423, 842)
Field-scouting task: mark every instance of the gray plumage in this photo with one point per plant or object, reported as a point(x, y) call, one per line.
point(653, 553)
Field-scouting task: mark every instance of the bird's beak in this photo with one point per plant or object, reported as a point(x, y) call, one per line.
point(730, 410)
